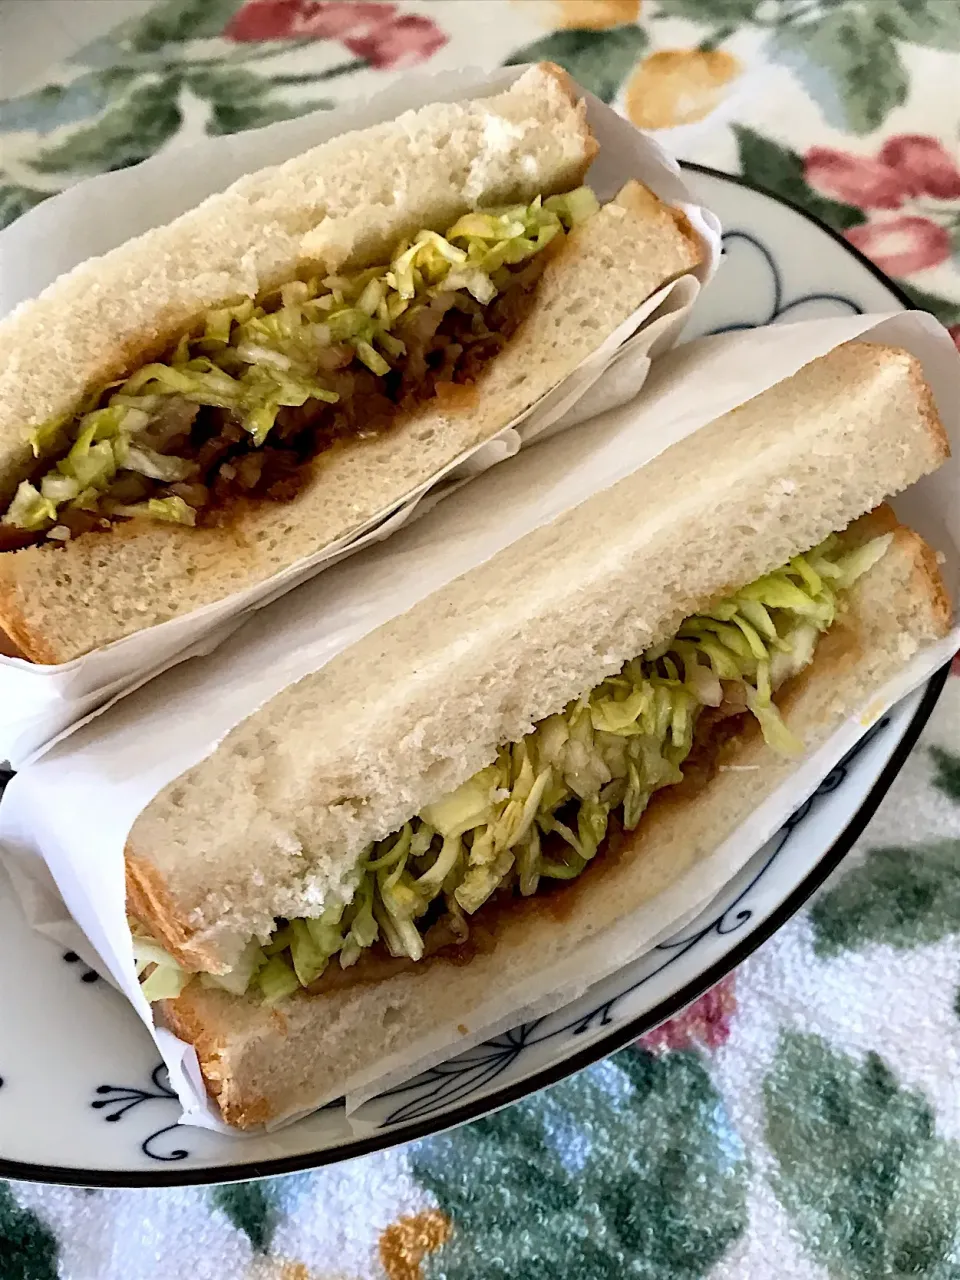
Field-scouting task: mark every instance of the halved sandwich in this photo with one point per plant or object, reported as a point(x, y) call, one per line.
point(210, 403)
point(452, 806)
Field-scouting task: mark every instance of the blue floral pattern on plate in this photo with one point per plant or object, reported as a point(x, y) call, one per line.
point(781, 308)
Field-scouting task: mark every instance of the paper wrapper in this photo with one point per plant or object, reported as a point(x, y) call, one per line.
point(103, 775)
point(42, 702)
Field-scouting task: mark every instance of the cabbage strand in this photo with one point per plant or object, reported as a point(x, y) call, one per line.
point(256, 358)
point(604, 754)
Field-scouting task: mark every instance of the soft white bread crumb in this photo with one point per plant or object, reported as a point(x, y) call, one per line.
point(261, 1064)
point(276, 816)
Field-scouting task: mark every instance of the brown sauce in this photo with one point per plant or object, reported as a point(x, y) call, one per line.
point(556, 898)
point(449, 342)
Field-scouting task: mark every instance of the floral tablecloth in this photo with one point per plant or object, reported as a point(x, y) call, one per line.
point(802, 1120)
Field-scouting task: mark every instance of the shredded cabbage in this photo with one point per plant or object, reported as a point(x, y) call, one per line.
point(49, 437)
point(161, 977)
point(606, 753)
point(157, 466)
point(253, 358)
point(277, 979)
point(59, 489)
point(171, 510)
point(251, 961)
point(30, 509)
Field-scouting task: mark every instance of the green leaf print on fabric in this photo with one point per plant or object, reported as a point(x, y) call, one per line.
point(176, 21)
point(849, 65)
point(923, 1222)
point(56, 105)
point(28, 1248)
point(241, 99)
point(948, 772)
point(16, 199)
point(904, 896)
point(600, 60)
point(229, 117)
point(872, 1191)
point(934, 23)
point(629, 1169)
point(131, 130)
point(777, 168)
point(250, 1207)
point(709, 12)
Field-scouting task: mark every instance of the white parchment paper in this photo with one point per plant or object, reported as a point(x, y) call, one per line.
point(74, 807)
point(39, 703)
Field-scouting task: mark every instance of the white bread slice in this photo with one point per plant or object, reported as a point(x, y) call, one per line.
point(277, 815)
point(263, 1063)
point(59, 602)
point(351, 198)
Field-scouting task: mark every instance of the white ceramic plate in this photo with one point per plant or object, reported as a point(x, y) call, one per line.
point(83, 1098)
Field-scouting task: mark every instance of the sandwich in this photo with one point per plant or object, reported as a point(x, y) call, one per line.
point(447, 810)
point(210, 403)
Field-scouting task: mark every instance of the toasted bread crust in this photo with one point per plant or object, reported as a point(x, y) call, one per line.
point(9, 647)
point(149, 901)
point(644, 205)
point(927, 582)
point(568, 85)
point(25, 636)
point(928, 411)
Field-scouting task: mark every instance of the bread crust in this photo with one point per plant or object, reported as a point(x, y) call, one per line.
point(565, 82)
point(150, 902)
point(139, 573)
point(262, 1062)
point(927, 409)
point(9, 647)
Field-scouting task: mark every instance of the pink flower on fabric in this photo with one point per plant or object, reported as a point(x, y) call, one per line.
point(705, 1022)
point(858, 180)
point(925, 162)
point(370, 30)
point(907, 165)
point(908, 171)
point(902, 245)
point(402, 42)
point(313, 19)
